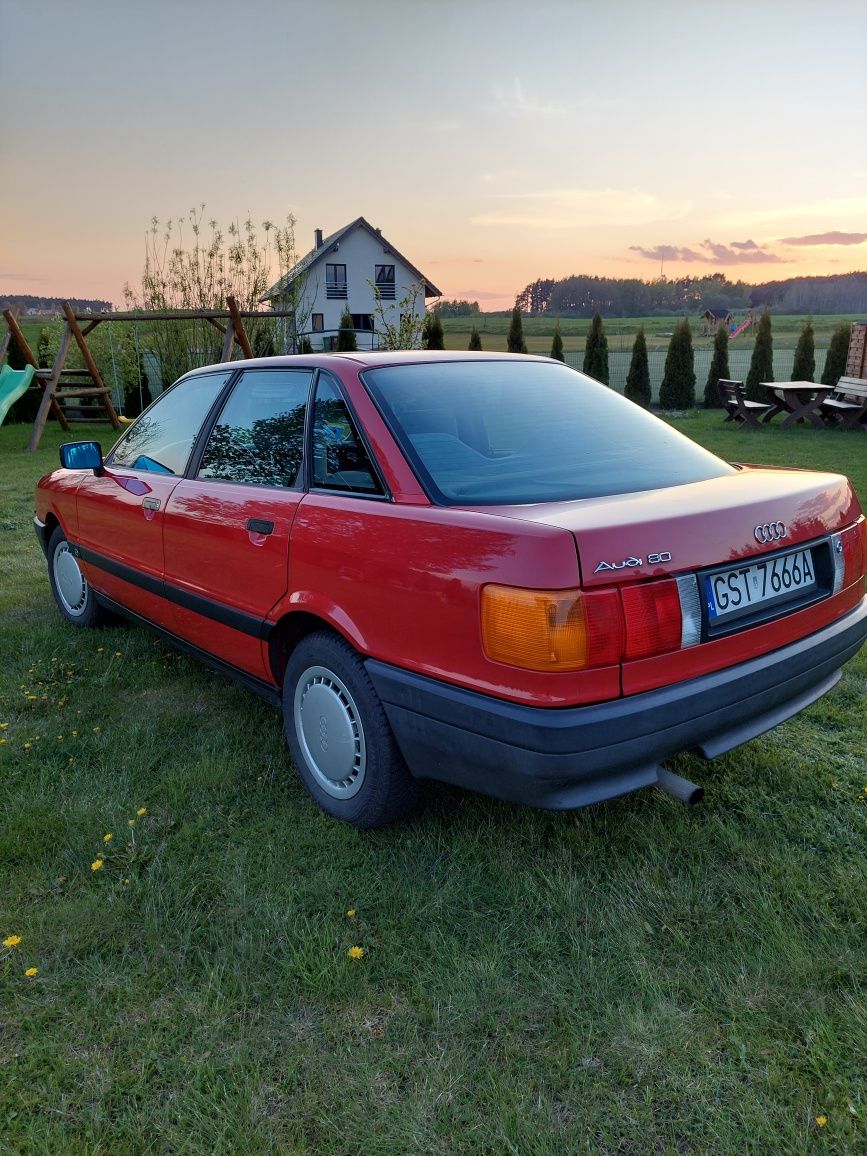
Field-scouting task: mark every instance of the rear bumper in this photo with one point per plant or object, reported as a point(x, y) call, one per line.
point(564, 758)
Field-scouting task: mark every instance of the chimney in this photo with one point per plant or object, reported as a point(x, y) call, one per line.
point(317, 235)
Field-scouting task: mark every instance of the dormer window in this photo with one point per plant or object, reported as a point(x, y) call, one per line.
point(335, 282)
point(385, 281)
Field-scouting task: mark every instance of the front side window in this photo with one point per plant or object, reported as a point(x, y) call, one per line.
point(161, 439)
point(340, 461)
point(503, 432)
point(317, 322)
point(259, 435)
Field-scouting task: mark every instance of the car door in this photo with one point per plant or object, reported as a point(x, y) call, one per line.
point(121, 511)
point(227, 527)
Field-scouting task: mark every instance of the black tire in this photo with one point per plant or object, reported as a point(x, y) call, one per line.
point(339, 737)
point(72, 591)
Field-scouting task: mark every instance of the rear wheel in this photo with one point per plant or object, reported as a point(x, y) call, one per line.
point(339, 736)
point(72, 591)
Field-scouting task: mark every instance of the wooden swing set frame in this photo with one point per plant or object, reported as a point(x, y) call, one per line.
point(59, 383)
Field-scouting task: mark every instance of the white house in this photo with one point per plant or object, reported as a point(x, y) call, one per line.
point(339, 273)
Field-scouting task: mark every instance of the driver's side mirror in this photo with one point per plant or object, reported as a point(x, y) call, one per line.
point(82, 456)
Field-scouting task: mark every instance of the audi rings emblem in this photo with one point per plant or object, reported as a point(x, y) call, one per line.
point(770, 532)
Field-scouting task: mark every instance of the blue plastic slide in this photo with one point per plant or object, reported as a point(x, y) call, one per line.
point(13, 384)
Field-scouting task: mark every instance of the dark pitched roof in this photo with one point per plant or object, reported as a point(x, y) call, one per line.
point(317, 254)
point(721, 313)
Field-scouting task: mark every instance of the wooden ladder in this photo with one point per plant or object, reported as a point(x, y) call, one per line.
point(59, 383)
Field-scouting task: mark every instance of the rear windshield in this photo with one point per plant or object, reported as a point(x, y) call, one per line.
point(504, 432)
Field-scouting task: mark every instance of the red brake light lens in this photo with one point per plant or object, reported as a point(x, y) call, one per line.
point(654, 623)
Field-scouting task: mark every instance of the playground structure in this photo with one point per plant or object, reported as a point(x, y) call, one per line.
point(59, 384)
point(738, 329)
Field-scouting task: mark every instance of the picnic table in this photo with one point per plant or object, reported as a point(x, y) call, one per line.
point(799, 400)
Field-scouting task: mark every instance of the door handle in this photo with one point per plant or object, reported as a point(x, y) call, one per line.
point(260, 526)
point(150, 503)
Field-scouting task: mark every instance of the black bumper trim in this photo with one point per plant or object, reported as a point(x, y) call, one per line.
point(569, 757)
point(42, 534)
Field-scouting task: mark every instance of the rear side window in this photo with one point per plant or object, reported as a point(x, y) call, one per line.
point(508, 432)
point(161, 439)
point(340, 460)
point(259, 435)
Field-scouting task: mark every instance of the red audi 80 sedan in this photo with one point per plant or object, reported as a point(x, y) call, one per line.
point(485, 569)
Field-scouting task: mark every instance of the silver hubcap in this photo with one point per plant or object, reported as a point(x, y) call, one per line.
point(71, 583)
point(329, 730)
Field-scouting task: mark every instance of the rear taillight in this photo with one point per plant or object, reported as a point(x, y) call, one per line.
point(552, 630)
point(661, 616)
point(569, 630)
point(848, 550)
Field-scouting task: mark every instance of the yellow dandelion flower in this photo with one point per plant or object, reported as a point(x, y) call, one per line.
point(107, 838)
point(60, 738)
point(125, 882)
point(74, 734)
point(821, 1121)
point(97, 864)
point(31, 971)
point(100, 649)
point(130, 822)
point(118, 654)
point(97, 728)
point(355, 952)
point(350, 914)
point(5, 727)
point(27, 746)
point(11, 940)
point(142, 811)
point(3, 742)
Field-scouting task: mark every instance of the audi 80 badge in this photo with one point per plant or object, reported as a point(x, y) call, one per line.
point(485, 569)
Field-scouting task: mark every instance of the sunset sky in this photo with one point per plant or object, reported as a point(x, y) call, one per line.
point(493, 143)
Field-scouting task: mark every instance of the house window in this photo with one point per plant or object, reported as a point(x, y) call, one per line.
point(363, 322)
point(318, 322)
point(335, 282)
point(385, 281)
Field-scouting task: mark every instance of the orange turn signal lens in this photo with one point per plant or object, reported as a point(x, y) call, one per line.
point(552, 630)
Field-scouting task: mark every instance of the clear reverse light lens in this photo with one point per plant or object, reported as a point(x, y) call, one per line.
point(690, 609)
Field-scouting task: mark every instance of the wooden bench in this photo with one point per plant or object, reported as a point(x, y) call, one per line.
point(847, 405)
point(738, 407)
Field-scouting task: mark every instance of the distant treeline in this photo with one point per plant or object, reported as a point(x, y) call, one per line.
point(582, 296)
point(25, 301)
point(455, 308)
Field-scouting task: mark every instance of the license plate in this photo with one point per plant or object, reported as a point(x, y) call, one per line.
point(742, 589)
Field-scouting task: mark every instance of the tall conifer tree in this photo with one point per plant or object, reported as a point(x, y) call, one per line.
point(596, 351)
point(515, 342)
point(677, 390)
point(638, 378)
point(346, 342)
point(475, 340)
point(838, 352)
point(762, 363)
point(719, 368)
point(804, 365)
point(557, 345)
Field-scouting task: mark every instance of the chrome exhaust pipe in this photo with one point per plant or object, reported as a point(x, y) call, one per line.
point(680, 788)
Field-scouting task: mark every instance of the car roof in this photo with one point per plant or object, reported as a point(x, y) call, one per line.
point(368, 359)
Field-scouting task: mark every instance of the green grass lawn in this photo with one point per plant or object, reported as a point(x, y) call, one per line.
point(633, 978)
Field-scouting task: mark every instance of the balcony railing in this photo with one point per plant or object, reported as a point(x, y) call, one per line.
point(335, 290)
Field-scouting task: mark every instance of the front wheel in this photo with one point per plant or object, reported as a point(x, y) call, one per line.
point(339, 736)
point(72, 591)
